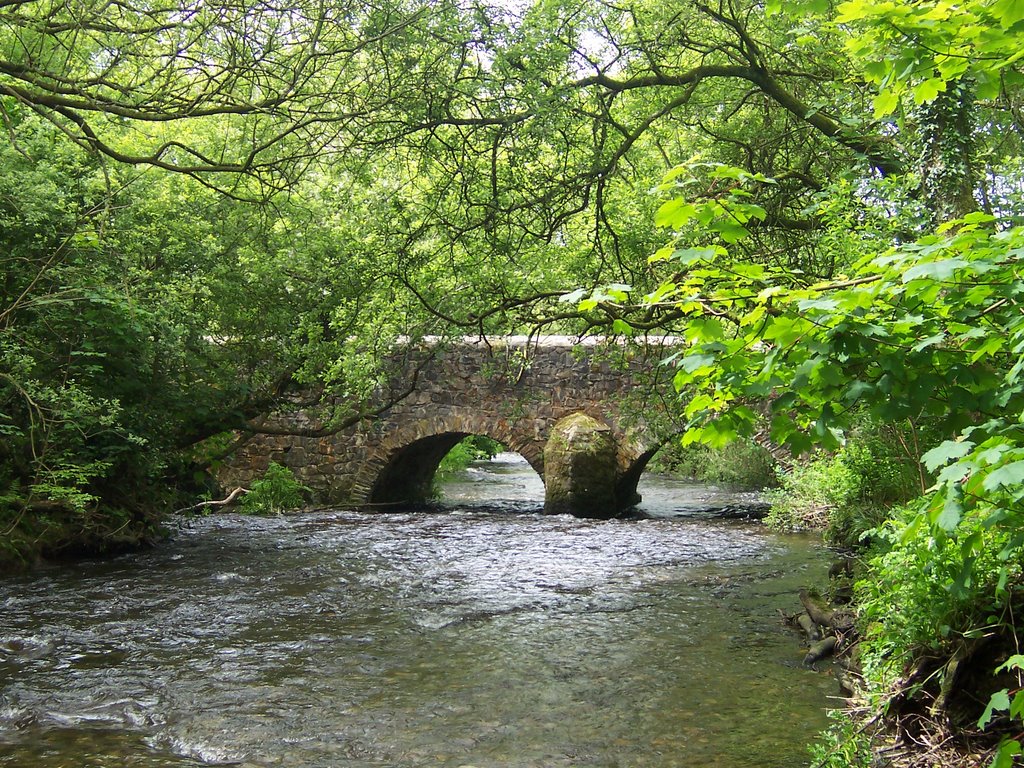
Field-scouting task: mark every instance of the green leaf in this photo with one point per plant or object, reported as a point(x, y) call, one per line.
point(622, 327)
point(1004, 757)
point(885, 103)
point(952, 510)
point(935, 270)
point(928, 90)
point(988, 87)
point(858, 389)
point(730, 231)
point(1014, 662)
point(1008, 475)
point(1009, 12)
point(705, 329)
point(692, 363)
point(674, 213)
point(938, 338)
point(1000, 701)
point(854, 10)
point(689, 256)
point(945, 452)
point(718, 434)
point(661, 254)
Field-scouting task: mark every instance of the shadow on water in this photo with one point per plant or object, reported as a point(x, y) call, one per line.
point(486, 636)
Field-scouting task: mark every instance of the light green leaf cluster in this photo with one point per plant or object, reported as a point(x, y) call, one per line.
point(917, 48)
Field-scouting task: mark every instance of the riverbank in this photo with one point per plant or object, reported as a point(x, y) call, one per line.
point(61, 534)
point(922, 655)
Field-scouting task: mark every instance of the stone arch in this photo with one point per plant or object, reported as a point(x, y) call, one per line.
point(402, 468)
point(635, 462)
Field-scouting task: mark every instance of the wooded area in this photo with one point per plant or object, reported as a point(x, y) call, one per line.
point(208, 207)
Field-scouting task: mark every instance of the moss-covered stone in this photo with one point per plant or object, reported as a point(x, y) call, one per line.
point(580, 468)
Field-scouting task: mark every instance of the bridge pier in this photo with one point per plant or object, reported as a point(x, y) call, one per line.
point(581, 472)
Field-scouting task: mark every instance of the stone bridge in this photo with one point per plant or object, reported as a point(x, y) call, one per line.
point(583, 414)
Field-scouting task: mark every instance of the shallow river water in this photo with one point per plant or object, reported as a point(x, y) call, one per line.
point(481, 634)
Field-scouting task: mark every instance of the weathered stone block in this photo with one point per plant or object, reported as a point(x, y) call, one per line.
point(580, 468)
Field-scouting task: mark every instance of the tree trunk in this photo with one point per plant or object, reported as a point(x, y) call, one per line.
point(947, 149)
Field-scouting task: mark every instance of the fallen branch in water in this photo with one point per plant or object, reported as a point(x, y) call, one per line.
point(820, 650)
point(228, 500)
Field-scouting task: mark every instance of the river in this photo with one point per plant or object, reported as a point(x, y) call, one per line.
point(481, 634)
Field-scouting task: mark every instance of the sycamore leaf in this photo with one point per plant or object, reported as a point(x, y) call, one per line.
point(1004, 757)
point(935, 270)
point(952, 510)
point(730, 231)
point(1007, 475)
point(885, 103)
point(621, 326)
point(945, 452)
point(1014, 662)
point(938, 338)
point(928, 90)
point(1000, 701)
point(1009, 12)
point(674, 213)
point(852, 11)
point(692, 363)
point(693, 255)
point(989, 86)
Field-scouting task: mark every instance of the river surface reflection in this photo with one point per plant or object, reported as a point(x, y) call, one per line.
point(477, 635)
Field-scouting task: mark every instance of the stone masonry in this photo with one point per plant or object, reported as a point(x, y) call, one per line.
point(511, 389)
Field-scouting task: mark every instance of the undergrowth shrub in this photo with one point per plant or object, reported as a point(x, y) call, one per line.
point(741, 464)
point(848, 492)
point(468, 450)
point(277, 491)
point(843, 745)
point(949, 589)
point(813, 493)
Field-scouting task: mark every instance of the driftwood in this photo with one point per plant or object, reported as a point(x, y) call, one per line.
point(848, 679)
point(809, 627)
point(823, 625)
point(820, 650)
point(228, 500)
point(819, 612)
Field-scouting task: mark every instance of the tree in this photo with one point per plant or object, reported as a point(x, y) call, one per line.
point(215, 91)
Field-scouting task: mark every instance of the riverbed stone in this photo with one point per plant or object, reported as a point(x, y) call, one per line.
point(580, 468)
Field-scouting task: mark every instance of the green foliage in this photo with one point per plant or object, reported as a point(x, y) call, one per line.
point(843, 745)
point(468, 450)
point(742, 464)
point(917, 49)
point(921, 332)
point(925, 329)
point(948, 589)
point(816, 494)
point(848, 492)
point(276, 492)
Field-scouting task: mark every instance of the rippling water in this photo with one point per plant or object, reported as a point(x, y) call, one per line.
point(471, 636)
